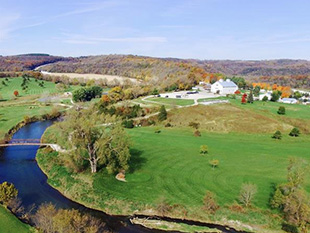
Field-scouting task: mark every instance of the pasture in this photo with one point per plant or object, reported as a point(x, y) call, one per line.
point(169, 164)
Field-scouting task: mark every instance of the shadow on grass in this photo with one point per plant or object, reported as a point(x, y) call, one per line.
point(136, 161)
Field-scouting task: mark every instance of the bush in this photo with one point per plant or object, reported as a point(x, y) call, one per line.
point(168, 125)
point(203, 149)
point(128, 124)
point(295, 132)
point(265, 99)
point(277, 135)
point(162, 113)
point(281, 110)
point(209, 202)
point(290, 228)
point(197, 133)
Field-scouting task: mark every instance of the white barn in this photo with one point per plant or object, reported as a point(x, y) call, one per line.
point(224, 87)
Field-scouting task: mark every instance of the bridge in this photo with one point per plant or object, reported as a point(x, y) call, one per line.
point(24, 142)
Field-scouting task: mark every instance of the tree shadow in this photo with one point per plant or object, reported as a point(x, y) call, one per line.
point(136, 161)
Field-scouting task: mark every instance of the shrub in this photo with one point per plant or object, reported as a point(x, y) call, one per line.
point(209, 202)
point(295, 132)
point(16, 93)
point(128, 124)
point(162, 113)
point(194, 125)
point(281, 110)
point(277, 135)
point(265, 99)
point(197, 133)
point(214, 163)
point(168, 125)
point(203, 149)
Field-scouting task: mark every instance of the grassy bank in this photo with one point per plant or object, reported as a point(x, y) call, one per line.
point(10, 224)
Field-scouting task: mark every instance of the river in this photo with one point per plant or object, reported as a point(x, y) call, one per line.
point(18, 166)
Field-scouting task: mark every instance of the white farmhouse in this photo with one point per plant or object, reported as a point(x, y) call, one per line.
point(267, 94)
point(224, 87)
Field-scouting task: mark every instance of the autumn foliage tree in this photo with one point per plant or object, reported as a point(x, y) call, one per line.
point(16, 93)
point(7, 192)
point(244, 99)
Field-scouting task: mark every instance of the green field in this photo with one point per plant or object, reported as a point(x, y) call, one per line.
point(12, 115)
point(169, 164)
point(13, 84)
point(170, 101)
point(10, 224)
point(292, 110)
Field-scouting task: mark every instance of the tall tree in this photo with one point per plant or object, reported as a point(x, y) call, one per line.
point(100, 144)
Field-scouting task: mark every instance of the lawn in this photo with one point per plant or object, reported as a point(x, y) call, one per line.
point(170, 101)
point(10, 224)
point(13, 84)
point(169, 164)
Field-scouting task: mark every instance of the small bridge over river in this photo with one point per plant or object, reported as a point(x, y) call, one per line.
point(24, 142)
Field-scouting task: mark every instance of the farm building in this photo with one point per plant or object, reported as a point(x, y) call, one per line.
point(289, 101)
point(224, 87)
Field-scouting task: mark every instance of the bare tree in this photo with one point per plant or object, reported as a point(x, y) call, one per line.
point(247, 193)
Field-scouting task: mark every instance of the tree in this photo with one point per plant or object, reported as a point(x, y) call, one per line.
point(256, 91)
point(214, 163)
point(281, 110)
point(250, 97)
point(16, 93)
point(247, 193)
point(265, 99)
point(243, 99)
point(291, 198)
point(294, 132)
point(162, 113)
point(209, 202)
point(275, 96)
point(203, 149)
point(277, 135)
point(108, 145)
point(7, 192)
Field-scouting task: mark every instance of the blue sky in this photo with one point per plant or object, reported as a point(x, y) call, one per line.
point(203, 29)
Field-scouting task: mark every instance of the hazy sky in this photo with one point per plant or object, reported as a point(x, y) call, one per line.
point(204, 29)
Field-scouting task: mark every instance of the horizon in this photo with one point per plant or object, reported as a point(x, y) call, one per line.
point(91, 55)
point(187, 29)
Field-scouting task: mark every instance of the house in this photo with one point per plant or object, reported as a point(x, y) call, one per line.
point(289, 101)
point(224, 87)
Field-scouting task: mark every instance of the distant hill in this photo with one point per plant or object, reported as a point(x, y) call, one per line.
point(295, 73)
point(26, 61)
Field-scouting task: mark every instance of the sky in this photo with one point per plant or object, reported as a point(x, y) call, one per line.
point(201, 29)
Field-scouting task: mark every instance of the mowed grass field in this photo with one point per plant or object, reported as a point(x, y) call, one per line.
point(13, 84)
point(12, 115)
point(169, 165)
point(10, 224)
point(170, 101)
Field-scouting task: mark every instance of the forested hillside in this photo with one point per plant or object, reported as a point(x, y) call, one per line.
point(294, 73)
point(26, 62)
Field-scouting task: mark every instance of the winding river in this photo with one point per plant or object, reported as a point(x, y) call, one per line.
point(18, 166)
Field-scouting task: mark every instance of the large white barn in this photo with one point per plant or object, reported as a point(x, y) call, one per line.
point(224, 87)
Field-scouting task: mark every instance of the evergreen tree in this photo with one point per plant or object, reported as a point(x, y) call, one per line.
point(162, 113)
point(250, 97)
